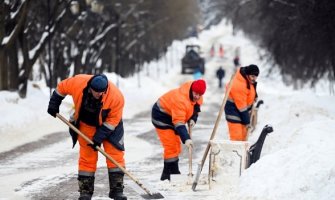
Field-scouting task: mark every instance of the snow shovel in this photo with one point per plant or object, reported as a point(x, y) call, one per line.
point(200, 165)
point(148, 195)
point(190, 174)
point(255, 150)
point(253, 116)
point(180, 178)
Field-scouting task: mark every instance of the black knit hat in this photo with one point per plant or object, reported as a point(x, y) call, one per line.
point(252, 70)
point(99, 83)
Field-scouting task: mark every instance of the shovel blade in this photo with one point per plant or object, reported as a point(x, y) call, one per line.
point(152, 196)
point(190, 179)
point(148, 193)
point(197, 177)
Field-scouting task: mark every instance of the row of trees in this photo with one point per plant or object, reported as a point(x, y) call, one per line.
point(299, 35)
point(67, 37)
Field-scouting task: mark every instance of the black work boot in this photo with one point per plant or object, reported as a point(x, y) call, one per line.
point(116, 186)
point(86, 187)
point(166, 171)
point(170, 168)
point(175, 167)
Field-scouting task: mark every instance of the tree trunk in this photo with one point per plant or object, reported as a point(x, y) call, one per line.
point(13, 70)
point(3, 75)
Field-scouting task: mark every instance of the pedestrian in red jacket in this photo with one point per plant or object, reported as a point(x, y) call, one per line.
point(212, 51)
point(221, 51)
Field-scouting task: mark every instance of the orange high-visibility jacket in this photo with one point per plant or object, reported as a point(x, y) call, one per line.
point(240, 100)
point(112, 101)
point(178, 105)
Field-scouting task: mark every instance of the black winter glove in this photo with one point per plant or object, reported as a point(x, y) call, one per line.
point(73, 134)
point(194, 116)
point(54, 103)
point(101, 134)
point(94, 145)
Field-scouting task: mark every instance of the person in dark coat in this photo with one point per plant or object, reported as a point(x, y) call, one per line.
point(220, 75)
point(236, 61)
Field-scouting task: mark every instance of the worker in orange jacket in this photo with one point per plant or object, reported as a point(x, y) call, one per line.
point(241, 98)
point(98, 114)
point(170, 114)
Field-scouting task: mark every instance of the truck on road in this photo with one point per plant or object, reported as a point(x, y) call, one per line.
point(192, 61)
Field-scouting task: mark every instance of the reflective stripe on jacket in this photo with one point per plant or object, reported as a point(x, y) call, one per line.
point(174, 108)
point(241, 97)
point(112, 106)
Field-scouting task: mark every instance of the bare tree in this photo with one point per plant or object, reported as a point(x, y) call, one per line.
point(84, 36)
point(299, 35)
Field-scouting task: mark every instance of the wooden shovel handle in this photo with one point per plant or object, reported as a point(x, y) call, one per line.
point(201, 164)
point(190, 153)
point(103, 152)
point(218, 118)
